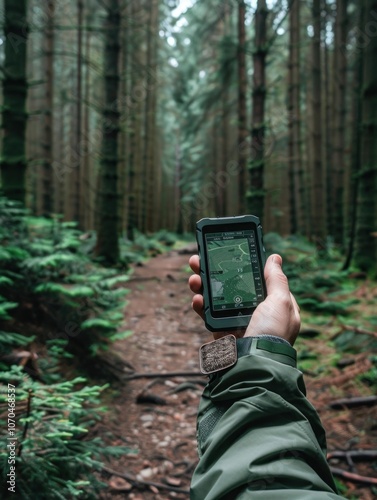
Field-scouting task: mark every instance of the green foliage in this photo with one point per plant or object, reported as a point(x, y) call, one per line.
point(354, 341)
point(47, 279)
point(370, 377)
point(54, 456)
point(146, 246)
point(57, 298)
point(314, 278)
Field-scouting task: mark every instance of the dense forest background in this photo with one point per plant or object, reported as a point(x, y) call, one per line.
point(123, 122)
point(127, 116)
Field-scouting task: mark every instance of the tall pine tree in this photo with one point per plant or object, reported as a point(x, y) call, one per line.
point(14, 117)
point(107, 230)
point(366, 226)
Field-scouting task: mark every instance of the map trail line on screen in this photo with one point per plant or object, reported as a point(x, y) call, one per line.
point(234, 270)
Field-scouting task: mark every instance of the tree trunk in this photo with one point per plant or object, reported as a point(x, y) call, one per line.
point(296, 174)
point(45, 183)
point(77, 171)
point(14, 117)
point(256, 194)
point(134, 108)
point(327, 119)
point(107, 231)
point(340, 80)
point(366, 242)
point(355, 145)
point(124, 147)
point(242, 124)
point(318, 207)
point(149, 167)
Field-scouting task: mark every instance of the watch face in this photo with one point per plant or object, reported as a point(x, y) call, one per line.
point(234, 270)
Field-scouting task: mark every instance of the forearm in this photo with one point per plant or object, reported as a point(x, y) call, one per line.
point(257, 432)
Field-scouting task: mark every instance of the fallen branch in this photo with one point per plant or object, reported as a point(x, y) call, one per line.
point(351, 476)
point(353, 454)
point(353, 402)
point(135, 376)
point(144, 278)
point(135, 481)
point(359, 330)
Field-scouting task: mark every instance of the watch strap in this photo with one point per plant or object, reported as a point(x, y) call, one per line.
point(223, 353)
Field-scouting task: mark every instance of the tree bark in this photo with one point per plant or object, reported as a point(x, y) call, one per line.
point(13, 162)
point(256, 194)
point(77, 200)
point(87, 206)
point(355, 146)
point(338, 160)
point(296, 174)
point(149, 167)
point(45, 194)
point(242, 123)
point(328, 117)
point(318, 198)
point(107, 232)
point(135, 110)
point(366, 242)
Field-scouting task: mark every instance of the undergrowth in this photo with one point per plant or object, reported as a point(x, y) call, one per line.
point(60, 310)
point(49, 451)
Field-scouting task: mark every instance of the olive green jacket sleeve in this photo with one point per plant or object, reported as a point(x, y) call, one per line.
point(258, 435)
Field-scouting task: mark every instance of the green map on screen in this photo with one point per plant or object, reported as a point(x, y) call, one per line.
point(231, 271)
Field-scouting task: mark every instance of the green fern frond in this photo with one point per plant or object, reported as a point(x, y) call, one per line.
point(121, 335)
point(97, 323)
point(55, 260)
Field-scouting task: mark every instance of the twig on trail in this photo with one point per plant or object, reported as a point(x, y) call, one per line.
point(179, 445)
point(189, 467)
point(149, 385)
point(354, 454)
point(135, 376)
point(183, 387)
point(354, 329)
point(136, 482)
point(144, 278)
point(351, 476)
point(353, 402)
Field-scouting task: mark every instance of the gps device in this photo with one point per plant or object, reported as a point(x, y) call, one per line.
point(232, 259)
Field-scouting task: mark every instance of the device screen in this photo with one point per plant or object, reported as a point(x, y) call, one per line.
point(234, 271)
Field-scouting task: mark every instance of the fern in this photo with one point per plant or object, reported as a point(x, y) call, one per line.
point(97, 323)
point(45, 275)
point(55, 461)
point(55, 260)
point(4, 308)
point(77, 291)
point(121, 335)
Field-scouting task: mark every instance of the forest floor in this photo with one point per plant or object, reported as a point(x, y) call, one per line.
point(156, 417)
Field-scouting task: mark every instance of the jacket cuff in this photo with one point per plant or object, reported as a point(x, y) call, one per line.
point(268, 346)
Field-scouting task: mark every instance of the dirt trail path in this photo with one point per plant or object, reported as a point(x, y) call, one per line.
point(167, 335)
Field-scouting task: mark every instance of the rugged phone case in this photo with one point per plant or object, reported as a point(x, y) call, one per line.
point(235, 322)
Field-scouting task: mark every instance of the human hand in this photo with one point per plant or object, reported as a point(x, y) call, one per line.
point(277, 315)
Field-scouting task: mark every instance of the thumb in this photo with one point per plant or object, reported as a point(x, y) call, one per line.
point(276, 280)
